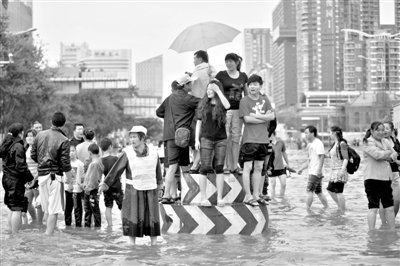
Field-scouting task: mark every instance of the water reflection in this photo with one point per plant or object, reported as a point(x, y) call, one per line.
point(295, 237)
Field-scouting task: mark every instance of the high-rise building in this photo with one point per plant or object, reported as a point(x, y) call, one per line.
point(284, 54)
point(257, 49)
point(116, 61)
point(149, 77)
point(19, 14)
point(320, 42)
point(397, 14)
point(370, 19)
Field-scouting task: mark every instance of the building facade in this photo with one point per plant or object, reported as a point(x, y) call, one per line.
point(370, 18)
point(284, 54)
point(149, 77)
point(19, 14)
point(117, 61)
point(143, 106)
point(397, 14)
point(257, 49)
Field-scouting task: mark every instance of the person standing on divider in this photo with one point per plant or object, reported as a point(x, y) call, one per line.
point(50, 150)
point(15, 175)
point(316, 155)
point(114, 193)
point(204, 73)
point(73, 199)
point(211, 138)
point(91, 185)
point(256, 112)
point(378, 153)
point(339, 158)
point(140, 211)
point(178, 111)
point(234, 84)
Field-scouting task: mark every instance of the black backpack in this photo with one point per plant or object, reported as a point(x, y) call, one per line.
point(354, 160)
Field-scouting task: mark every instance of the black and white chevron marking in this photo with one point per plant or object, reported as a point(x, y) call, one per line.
point(232, 191)
point(227, 220)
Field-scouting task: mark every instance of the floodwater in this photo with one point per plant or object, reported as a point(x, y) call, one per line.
point(295, 237)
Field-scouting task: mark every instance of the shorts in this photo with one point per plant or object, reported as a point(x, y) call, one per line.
point(51, 194)
point(14, 193)
point(212, 151)
point(177, 154)
point(314, 184)
point(112, 195)
point(275, 173)
point(253, 152)
point(378, 191)
point(335, 187)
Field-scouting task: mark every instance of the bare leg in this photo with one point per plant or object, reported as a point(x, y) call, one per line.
point(220, 186)
point(153, 240)
point(273, 185)
point(389, 213)
point(132, 240)
point(257, 178)
point(372, 218)
point(51, 224)
point(246, 179)
point(382, 214)
point(9, 220)
point(196, 160)
point(341, 201)
point(235, 154)
point(203, 187)
point(282, 180)
point(169, 180)
point(334, 197)
point(31, 209)
point(323, 199)
point(15, 221)
point(309, 200)
point(109, 216)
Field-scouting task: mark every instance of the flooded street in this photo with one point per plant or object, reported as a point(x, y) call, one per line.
point(295, 237)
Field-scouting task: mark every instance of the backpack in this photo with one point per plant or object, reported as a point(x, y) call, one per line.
point(354, 160)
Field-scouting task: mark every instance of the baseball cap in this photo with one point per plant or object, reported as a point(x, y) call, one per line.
point(184, 79)
point(136, 129)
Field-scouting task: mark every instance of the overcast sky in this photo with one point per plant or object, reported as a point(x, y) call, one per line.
point(146, 27)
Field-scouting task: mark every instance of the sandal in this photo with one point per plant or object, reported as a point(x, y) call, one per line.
point(227, 171)
point(221, 203)
point(167, 201)
point(262, 201)
point(251, 202)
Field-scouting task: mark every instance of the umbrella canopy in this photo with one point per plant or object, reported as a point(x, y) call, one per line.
point(203, 36)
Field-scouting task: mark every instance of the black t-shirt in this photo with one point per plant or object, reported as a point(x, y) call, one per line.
point(209, 127)
point(233, 88)
point(108, 163)
point(75, 142)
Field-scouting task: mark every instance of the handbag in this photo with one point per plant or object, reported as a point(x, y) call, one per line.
point(182, 135)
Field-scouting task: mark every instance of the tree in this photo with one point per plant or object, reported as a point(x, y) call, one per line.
point(25, 91)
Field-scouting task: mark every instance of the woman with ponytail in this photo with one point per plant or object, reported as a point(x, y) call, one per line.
point(211, 138)
point(390, 135)
point(339, 158)
point(234, 87)
point(378, 153)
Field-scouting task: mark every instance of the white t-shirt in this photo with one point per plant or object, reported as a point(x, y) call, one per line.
point(315, 149)
point(77, 176)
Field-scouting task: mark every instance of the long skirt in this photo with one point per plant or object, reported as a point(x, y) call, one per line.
point(140, 212)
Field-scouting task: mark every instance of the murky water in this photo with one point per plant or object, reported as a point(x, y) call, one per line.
point(295, 237)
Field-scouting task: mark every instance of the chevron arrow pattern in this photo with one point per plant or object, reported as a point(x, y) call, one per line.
point(232, 191)
point(228, 220)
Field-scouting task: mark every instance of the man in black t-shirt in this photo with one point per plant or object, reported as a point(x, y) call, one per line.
point(78, 135)
point(114, 193)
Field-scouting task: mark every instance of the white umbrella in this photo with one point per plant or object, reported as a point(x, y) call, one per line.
point(202, 36)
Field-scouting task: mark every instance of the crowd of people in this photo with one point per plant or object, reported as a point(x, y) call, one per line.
point(228, 126)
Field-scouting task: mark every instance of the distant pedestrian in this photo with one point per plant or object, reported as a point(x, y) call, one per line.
point(378, 153)
point(15, 175)
point(234, 83)
point(211, 138)
point(73, 199)
point(114, 193)
point(51, 150)
point(91, 185)
point(77, 137)
point(37, 126)
point(315, 162)
point(339, 156)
